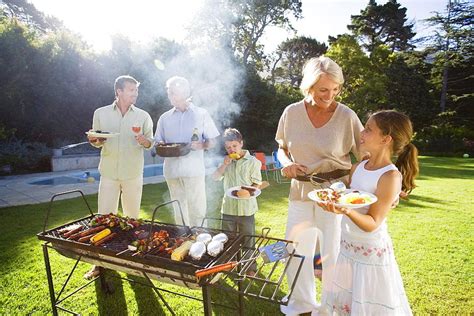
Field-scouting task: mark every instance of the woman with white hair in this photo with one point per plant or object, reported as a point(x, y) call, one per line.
point(315, 136)
point(185, 176)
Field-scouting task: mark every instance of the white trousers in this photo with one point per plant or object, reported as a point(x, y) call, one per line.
point(307, 223)
point(191, 194)
point(128, 191)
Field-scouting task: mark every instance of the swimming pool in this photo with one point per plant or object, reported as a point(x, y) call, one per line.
point(82, 177)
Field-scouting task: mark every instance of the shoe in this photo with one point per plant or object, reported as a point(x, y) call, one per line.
point(92, 273)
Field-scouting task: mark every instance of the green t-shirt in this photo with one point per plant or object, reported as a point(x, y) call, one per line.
point(244, 171)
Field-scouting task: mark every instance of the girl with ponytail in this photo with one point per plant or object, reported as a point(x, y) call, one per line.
point(367, 279)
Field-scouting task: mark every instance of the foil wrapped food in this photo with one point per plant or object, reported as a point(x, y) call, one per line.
point(220, 238)
point(214, 248)
point(198, 249)
point(204, 238)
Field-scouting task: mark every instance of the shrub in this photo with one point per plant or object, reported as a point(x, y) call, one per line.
point(445, 137)
point(17, 156)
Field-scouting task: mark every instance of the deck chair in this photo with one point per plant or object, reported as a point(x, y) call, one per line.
point(261, 156)
point(278, 166)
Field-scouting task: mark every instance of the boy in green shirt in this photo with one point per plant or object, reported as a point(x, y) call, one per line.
point(238, 168)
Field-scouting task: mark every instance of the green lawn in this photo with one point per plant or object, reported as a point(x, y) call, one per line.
point(432, 234)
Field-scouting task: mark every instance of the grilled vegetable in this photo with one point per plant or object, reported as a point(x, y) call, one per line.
point(102, 234)
point(181, 252)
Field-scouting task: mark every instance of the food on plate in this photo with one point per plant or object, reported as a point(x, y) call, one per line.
point(204, 238)
point(356, 198)
point(242, 193)
point(214, 248)
point(102, 234)
point(197, 250)
point(328, 195)
point(220, 238)
point(182, 251)
point(234, 156)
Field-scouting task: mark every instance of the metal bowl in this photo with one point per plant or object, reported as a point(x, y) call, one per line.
point(173, 149)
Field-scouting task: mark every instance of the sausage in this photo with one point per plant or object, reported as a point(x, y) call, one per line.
point(87, 232)
point(215, 269)
point(71, 232)
point(107, 238)
point(85, 238)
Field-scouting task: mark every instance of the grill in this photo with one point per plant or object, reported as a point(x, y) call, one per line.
point(241, 251)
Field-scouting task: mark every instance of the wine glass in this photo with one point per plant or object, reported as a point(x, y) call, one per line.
point(136, 128)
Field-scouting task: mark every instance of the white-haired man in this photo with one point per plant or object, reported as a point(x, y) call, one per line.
point(185, 175)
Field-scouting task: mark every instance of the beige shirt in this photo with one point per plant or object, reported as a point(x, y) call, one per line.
point(320, 149)
point(121, 157)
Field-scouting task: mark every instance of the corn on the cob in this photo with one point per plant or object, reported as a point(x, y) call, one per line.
point(181, 252)
point(102, 234)
point(234, 156)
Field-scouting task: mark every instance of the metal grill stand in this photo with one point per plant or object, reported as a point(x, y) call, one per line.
point(265, 285)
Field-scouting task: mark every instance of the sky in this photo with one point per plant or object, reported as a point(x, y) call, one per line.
point(143, 20)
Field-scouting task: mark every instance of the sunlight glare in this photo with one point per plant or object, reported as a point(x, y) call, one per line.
point(140, 20)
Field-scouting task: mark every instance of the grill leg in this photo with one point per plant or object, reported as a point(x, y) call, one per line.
point(241, 298)
point(104, 285)
point(50, 279)
point(159, 294)
point(206, 300)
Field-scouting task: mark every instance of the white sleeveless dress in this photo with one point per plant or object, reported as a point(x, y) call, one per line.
point(367, 280)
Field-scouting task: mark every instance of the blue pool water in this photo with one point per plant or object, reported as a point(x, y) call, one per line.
point(148, 171)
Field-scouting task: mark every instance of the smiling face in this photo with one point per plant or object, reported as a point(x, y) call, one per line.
point(323, 92)
point(234, 146)
point(129, 94)
point(372, 137)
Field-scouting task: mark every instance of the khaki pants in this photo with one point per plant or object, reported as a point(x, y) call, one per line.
point(191, 194)
point(128, 191)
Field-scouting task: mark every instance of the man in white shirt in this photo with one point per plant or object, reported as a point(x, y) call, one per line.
point(185, 175)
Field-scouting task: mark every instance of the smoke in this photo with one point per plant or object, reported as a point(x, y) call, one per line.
point(208, 63)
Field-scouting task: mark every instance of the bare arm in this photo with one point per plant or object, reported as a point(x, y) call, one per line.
point(387, 191)
point(290, 169)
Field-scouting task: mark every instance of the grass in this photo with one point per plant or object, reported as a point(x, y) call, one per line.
point(432, 235)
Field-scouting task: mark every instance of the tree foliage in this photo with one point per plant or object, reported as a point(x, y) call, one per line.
point(241, 24)
point(452, 47)
point(291, 56)
point(383, 25)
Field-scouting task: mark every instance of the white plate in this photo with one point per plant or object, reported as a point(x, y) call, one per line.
point(101, 135)
point(229, 193)
point(346, 196)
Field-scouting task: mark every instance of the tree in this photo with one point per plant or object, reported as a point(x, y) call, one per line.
point(365, 86)
point(27, 13)
point(291, 56)
point(240, 24)
point(383, 24)
point(453, 49)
